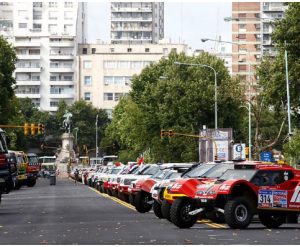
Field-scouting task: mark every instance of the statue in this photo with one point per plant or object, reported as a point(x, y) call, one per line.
point(67, 121)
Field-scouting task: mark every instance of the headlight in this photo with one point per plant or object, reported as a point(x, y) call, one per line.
point(200, 192)
point(212, 192)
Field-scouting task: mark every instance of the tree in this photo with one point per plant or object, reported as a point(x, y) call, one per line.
point(270, 109)
point(182, 101)
point(7, 67)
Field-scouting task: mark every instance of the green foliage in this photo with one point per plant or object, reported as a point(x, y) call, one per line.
point(177, 97)
point(7, 67)
point(292, 149)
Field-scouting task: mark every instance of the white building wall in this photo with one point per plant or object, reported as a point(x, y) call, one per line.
point(50, 28)
point(111, 68)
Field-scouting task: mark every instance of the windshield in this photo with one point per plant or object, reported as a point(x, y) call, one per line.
point(151, 170)
point(198, 171)
point(217, 171)
point(3, 148)
point(160, 174)
point(33, 160)
point(238, 174)
point(48, 160)
point(115, 171)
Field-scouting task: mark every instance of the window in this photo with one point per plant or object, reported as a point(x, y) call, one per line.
point(108, 80)
point(118, 96)
point(52, 15)
point(87, 64)
point(68, 28)
point(68, 15)
point(136, 64)
point(52, 28)
point(37, 4)
point(37, 27)
point(112, 49)
point(53, 103)
point(108, 96)
point(52, 4)
point(147, 50)
point(165, 51)
point(37, 15)
point(129, 50)
point(242, 27)
point(124, 64)
point(242, 36)
point(84, 50)
point(87, 96)
point(93, 50)
point(109, 113)
point(68, 4)
point(87, 80)
point(242, 15)
point(242, 67)
point(119, 80)
point(22, 25)
point(110, 64)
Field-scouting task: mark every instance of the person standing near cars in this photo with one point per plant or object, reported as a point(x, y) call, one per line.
point(76, 173)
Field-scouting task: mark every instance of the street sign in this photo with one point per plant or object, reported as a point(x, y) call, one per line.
point(266, 156)
point(239, 151)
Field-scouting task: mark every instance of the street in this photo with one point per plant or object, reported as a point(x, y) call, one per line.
point(76, 214)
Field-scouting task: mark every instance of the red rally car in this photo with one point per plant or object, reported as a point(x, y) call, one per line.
point(248, 189)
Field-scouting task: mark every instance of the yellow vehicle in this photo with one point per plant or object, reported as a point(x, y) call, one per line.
point(22, 163)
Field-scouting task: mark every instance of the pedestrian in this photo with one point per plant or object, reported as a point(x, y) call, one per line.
point(76, 173)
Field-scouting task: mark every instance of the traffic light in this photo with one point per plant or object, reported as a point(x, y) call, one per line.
point(32, 126)
point(40, 127)
point(171, 133)
point(26, 129)
point(164, 133)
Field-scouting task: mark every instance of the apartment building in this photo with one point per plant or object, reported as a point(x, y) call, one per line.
point(137, 22)
point(106, 69)
point(251, 35)
point(46, 37)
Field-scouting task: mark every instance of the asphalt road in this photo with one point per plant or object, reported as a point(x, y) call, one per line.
point(76, 214)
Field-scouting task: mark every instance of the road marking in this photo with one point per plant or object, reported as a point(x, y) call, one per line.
point(114, 199)
point(215, 225)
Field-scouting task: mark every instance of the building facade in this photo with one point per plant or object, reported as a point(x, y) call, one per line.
point(46, 37)
point(137, 22)
point(251, 35)
point(106, 69)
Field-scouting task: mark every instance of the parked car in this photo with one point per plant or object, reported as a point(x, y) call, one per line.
point(241, 193)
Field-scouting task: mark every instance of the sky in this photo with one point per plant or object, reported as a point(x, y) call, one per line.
point(184, 21)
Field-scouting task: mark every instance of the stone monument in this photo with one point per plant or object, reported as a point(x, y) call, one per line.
point(66, 154)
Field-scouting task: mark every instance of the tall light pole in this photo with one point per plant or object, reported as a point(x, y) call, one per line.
point(216, 88)
point(96, 136)
point(249, 92)
point(287, 90)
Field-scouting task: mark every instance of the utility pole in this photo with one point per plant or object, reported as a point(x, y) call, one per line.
point(96, 136)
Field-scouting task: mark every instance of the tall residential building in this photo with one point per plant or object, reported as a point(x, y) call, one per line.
point(106, 69)
point(46, 37)
point(251, 33)
point(137, 22)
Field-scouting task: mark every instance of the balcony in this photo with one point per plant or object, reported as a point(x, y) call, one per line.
point(61, 69)
point(29, 57)
point(130, 29)
point(62, 96)
point(273, 8)
point(267, 42)
point(131, 19)
point(124, 9)
point(28, 83)
point(28, 69)
point(27, 43)
point(66, 43)
point(61, 56)
point(29, 95)
point(61, 83)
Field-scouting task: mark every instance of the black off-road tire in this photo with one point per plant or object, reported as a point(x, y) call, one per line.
point(18, 185)
point(157, 209)
point(140, 202)
point(31, 182)
point(179, 213)
point(238, 213)
point(272, 219)
point(108, 191)
point(165, 210)
point(101, 188)
point(123, 196)
point(131, 200)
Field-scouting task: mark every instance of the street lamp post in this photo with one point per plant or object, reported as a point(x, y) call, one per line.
point(287, 90)
point(96, 136)
point(216, 91)
point(249, 92)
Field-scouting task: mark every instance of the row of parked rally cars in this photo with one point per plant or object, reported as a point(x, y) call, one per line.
point(231, 192)
point(16, 168)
